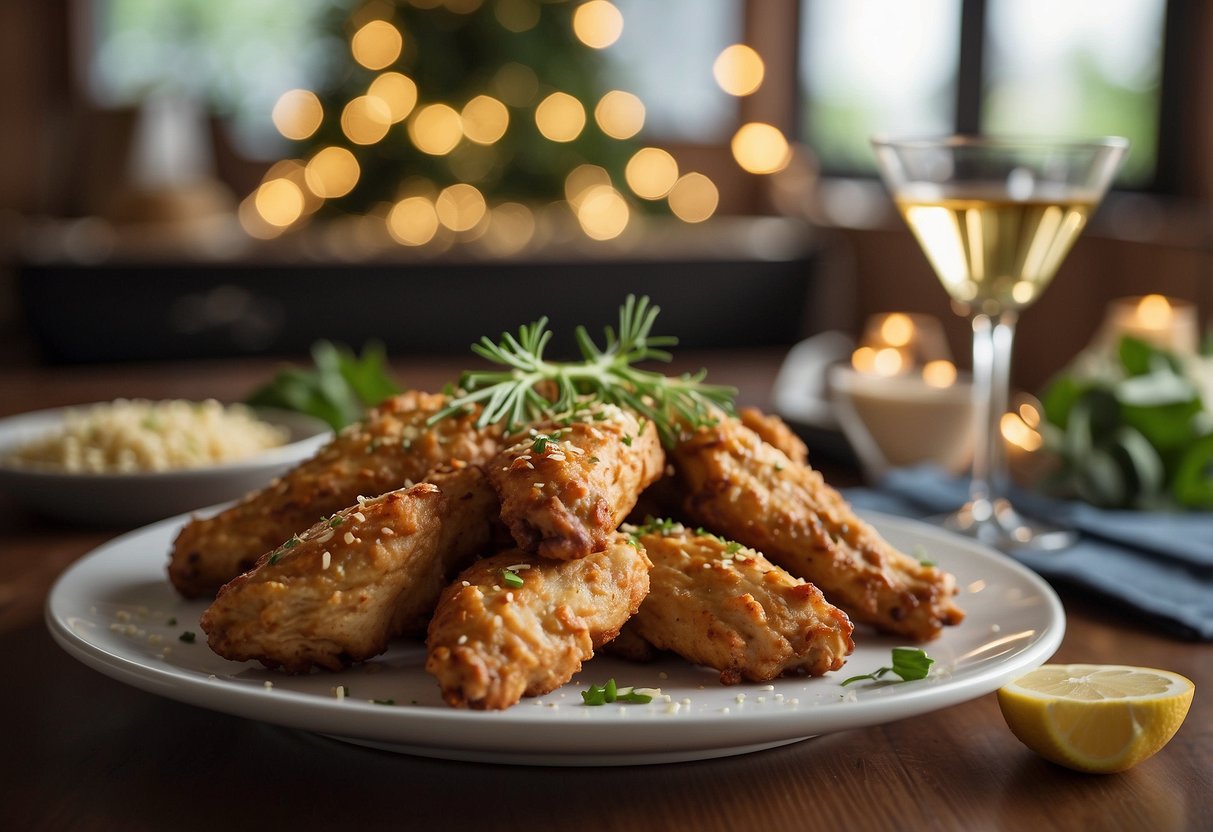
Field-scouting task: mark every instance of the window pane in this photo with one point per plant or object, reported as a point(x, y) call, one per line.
point(667, 62)
point(1077, 68)
point(876, 66)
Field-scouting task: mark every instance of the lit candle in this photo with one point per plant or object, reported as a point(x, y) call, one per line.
point(1164, 322)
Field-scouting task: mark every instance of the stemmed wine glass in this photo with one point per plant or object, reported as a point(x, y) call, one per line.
point(996, 217)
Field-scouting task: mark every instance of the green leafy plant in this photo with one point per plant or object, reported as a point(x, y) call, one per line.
point(531, 388)
point(339, 389)
point(1132, 432)
point(910, 663)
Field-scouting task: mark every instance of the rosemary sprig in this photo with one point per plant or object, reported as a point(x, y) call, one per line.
point(531, 388)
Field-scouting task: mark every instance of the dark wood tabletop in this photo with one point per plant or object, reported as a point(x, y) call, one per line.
point(79, 750)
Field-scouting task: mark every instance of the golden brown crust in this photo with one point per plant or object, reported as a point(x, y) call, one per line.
point(727, 607)
point(491, 644)
point(566, 488)
point(340, 590)
point(774, 431)
point(743, 488)
point(392, 449)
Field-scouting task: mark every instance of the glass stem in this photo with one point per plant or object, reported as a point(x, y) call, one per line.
point(993, 338)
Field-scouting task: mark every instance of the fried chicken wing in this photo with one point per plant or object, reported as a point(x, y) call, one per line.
point(565, 488)
point(743, 488)
point(337, 592)
point(391, 449)
point(490, 644)
point(718, 604)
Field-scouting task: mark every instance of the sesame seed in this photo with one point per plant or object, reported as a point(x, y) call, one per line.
point(462, 640)
point(672, 708)
point(348, 538)
point(739, 698)
point(386, 532)
point(497, 621)
point(509, 596)
point(496, 588)
point(325, 559)
point(767, 687)
point(724, 710)
point(326, 537)
point(269, 685)
point(122, 615)
point(359, 516)
point(465, 583)
point(538, 484)
point(685, 700)
point(793, 701)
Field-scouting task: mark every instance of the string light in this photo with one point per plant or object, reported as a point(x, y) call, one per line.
point(377, 44)
point(397, 91)
point(279, 202)
point(297, 114)
point(517, 15)
point(761, 148)
point(413, 221)
point(651, 173)
point(739, 70)
point(619, 114)
point(332, 172)
point(603, 213)
point(460, 207)
point(597, 24)
point(511, 227)
point(485, 119)
point(436, 129)
point(581, 179)
point(365, 120)
point(560, 117)
point(694, 198)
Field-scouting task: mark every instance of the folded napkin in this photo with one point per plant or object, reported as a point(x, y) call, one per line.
point(1160, 564)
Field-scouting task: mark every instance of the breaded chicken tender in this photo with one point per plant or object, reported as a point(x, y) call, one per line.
point(775, 431)
point(565, 488)
point(336, 593)
point(747, 490)
point(491, 643)
point(391, 449)
point(718, 604)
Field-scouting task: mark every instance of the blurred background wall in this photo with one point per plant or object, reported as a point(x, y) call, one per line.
point(188, 162)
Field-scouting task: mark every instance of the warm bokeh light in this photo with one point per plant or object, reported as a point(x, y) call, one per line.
point(366, 119)
point(279, 202)
point(560, 117)
point(460, 207)
point(471, 162)
point(761, 148)
point(619, 114)
point(293, 170)
point(581, 179)
point(651, 173)
point(516, 84)
point(694, 198)
point(511, 227)
point(897, 329)
point(517, 15)
point(297, 114)
point(939, 373)
point(603, 213)
point(864, 360)
point(485, 119)
point(398, 92)
point(888, 362)
point(739, 70)
point(1154, 311)
point(1030, 415)
point(377, 44)
point(436, 129)
point(413, 221)
point(1015, 431)
point(597, 24)
point(253, 223)
point(332, 172)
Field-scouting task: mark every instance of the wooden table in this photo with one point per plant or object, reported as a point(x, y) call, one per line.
point(80, 751)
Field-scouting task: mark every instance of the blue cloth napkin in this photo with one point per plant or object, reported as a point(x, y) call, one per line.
point(1159, 564)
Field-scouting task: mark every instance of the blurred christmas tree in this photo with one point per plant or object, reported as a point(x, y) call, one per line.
point(452, 115)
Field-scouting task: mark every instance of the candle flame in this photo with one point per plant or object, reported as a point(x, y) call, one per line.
point(897, 329)
point(1018, 433)
point(1154, 311)
point(940, 374)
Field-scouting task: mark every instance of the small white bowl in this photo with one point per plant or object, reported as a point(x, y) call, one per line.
point(135, 499)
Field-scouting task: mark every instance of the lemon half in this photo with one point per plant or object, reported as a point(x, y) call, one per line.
point(1098, 718)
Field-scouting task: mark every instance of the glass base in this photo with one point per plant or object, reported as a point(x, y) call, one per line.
point(997, 524)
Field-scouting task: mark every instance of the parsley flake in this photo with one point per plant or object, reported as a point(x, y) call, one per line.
point(188, 636)
point(611, 692)
point(511, 578)
point(910, 663)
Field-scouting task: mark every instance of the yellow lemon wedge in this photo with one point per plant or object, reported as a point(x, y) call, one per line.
point(1098, 718)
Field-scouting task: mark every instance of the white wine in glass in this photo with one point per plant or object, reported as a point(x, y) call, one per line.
point(996, 218)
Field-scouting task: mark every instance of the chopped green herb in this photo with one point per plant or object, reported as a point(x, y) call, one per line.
point(541, 443)
point(275, 557)
point(610, 692)
point(778, 467)
point(910, 663)
point(511, 578)
point(292, 543)
point(627, 440)
point(172, 622)
point(924, 557)
point(336, 521)
point(594, 460)
point(188, 637)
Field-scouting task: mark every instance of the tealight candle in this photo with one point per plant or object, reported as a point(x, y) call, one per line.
point(1164, 322)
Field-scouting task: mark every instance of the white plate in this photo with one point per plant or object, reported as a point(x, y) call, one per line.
point(115, 611)
point(131, 499)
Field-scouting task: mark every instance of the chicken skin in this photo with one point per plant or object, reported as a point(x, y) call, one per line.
point(718, 604)
point(340, 590)
point(392, 449)
point(566, 486)
point(496, 638)
point(774, 431)
point(747, 490)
